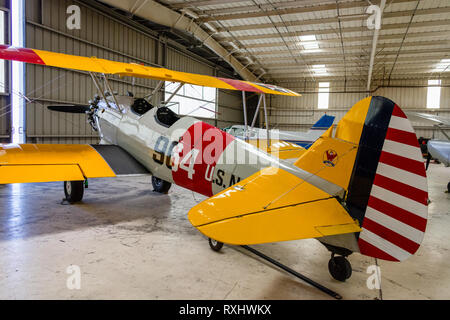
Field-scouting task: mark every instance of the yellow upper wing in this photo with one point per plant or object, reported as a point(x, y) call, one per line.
point(94, 64)
point(269, 206)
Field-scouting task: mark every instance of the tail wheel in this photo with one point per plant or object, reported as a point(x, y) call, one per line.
point(160, 185)
point(74, 191)
point(215, 245)
point(340, 268)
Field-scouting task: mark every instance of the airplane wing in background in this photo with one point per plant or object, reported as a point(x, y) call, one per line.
point(94, 64)
point(440, 150)
point(429, 118)
point(64, 162)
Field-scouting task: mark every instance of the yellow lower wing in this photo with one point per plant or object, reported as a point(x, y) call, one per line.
point(269, 206)
point(50, 162)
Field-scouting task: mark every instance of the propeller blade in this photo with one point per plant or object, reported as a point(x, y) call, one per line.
point(70, 108)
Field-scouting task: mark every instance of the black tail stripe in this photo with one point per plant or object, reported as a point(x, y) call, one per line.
point(370, 146)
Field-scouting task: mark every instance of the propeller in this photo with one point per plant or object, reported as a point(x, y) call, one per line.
point(70, 108)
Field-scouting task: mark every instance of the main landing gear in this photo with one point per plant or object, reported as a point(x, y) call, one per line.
point(160, 185)
point(74, 191)
point(216, 246)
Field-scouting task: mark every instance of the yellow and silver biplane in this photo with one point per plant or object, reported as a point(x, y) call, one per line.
point(361, 187)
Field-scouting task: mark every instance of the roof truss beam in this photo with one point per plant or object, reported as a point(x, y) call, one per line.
point(282, 9)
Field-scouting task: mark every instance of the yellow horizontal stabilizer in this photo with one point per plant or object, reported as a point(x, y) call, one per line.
point(279, 148)
point(96, 65)
point(50, 162)
point(270, 206)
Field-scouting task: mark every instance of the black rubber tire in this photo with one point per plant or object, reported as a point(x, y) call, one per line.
point(160, 185)
point(74, 191)
point(448, 187)
point(340, 268)
point(215, 245)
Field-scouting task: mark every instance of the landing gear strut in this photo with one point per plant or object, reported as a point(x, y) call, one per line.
point(216, 246)
point(74, 191)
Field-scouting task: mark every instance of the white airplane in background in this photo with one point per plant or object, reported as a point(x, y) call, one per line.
point(303, 139)
point(437, 149)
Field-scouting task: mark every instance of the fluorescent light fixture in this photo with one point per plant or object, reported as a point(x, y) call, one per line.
point(210, 27)
point(443, 65)
point(18, 72)
point(309, 42)
point(189, 13)
point(308, 38)
point(310, 46)
point(434, 94)
point(319, 69)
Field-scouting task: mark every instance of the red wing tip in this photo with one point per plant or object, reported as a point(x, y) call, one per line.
point(20, 54)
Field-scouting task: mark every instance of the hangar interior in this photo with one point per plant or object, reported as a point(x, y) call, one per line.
point(130, 242)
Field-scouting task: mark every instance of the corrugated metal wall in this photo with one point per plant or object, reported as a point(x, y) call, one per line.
point(411, 95)
point(414, 99)
point(290, 113)
point(101, 36)
point(5, 101)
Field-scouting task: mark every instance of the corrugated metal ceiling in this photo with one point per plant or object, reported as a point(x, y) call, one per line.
point(267, 31)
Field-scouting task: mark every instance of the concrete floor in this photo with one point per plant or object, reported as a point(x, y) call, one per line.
point(131, 243)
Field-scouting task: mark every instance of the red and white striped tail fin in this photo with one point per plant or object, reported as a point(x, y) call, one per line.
point(394, 214)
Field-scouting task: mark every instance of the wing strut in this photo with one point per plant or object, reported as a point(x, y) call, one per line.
point(174, 93)
point(262, 98)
